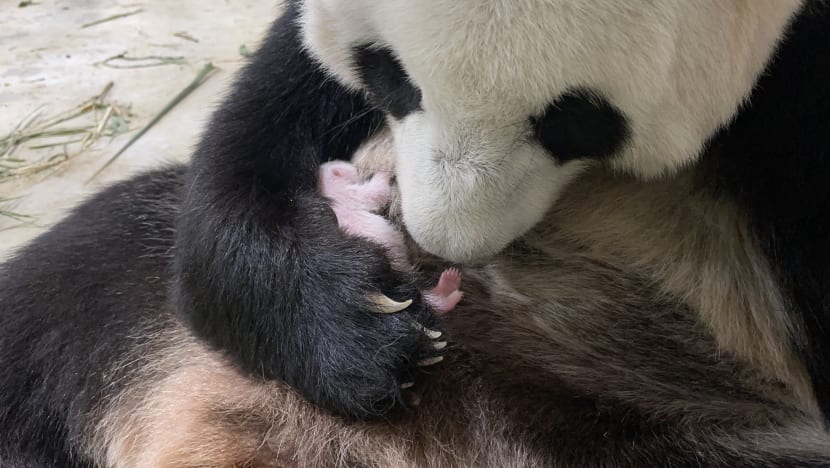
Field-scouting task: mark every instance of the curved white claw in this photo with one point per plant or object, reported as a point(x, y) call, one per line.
point(385, 305)
point(439, 345)
point(407, 385)
point(431, 334)
point(430, 361)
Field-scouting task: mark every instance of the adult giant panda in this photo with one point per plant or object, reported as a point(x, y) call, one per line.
point(496, 106)
point(670, 322)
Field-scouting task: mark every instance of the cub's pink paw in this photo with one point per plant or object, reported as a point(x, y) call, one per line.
point(446, 294)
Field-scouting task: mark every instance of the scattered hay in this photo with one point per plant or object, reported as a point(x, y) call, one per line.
point(245, 51)
point(111, 18)
point(71, 133)
point(6, 212)
point(68, 134)
point(186, 36)
point(201, 77)
point(122, 61)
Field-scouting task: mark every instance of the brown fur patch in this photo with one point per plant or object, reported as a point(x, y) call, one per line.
point(696, 248)
point(161, 419)
point(196, 410)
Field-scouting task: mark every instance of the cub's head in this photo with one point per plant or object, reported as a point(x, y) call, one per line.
point(496, 105)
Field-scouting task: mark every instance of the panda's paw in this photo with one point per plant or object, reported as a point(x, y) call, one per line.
point(310, 306)
point(386, 305)
point(372, 343)
point(436, 345)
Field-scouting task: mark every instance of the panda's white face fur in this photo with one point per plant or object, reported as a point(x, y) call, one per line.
point(472, 171)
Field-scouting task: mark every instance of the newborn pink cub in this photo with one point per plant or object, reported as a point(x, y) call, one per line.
point(356, 204)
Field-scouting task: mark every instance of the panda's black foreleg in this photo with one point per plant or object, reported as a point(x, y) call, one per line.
point(263, 272)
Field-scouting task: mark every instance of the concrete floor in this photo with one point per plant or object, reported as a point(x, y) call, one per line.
point(48, 61)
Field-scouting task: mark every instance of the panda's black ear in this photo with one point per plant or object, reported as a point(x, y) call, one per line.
point(390, 88)
point(580, 124)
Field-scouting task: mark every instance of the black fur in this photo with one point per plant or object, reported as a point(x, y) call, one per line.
point(263, 272)
point(775, 160)
point(72, 304)
point(580, 124)
point(389, 86)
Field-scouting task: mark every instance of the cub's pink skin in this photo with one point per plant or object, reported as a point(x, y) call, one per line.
point(356, 204)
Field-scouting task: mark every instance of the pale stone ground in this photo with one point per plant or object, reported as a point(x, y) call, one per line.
point(47, 59)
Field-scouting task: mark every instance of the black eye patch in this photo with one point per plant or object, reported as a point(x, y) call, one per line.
point(580, 124)
point(389, 86)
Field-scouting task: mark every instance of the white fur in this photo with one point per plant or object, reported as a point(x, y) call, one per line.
point(471, 178)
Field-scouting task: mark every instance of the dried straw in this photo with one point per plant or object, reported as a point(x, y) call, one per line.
point(70, 133)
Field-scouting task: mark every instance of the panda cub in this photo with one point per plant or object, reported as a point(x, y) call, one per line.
point(356, 205)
